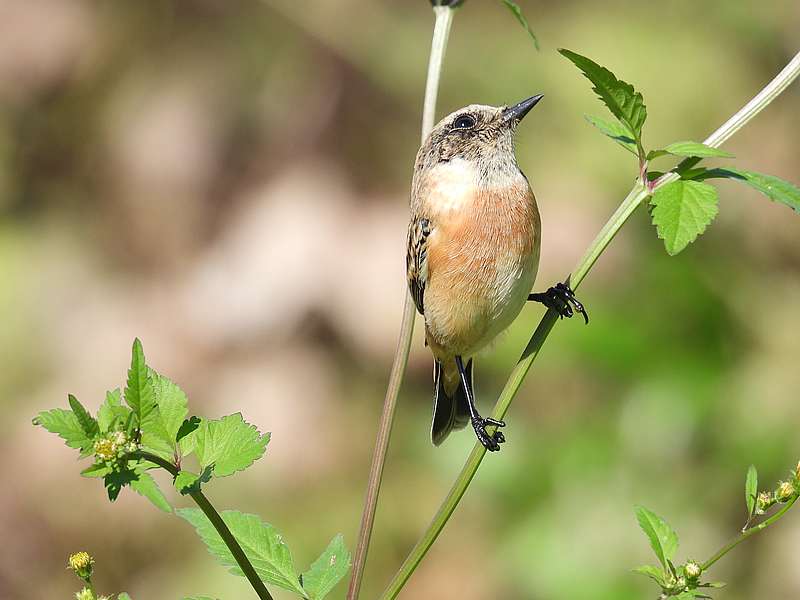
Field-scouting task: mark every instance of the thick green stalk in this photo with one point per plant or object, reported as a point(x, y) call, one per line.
point(216, 520)
point(636, 196)
point(441, 31)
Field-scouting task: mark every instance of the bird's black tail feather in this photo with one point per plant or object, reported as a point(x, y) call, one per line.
point(450, 411)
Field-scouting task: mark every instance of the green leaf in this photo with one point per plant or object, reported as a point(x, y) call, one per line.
point(682, 211)
point(517, 12)
point(332, 565)
point(146, 486)
point(622, 100)
point(663, 540)
point(698, 149)
point(66, 425)
point(228, 444)
point(96, 470)
point(188, 426)
point(689, 149)
point(123, 596)
point(616, 131)
point(139, 393)
point(112, 412)
point(774, 188)
point(262, 544)
point(86, 421)
point(187, 482)
point(654, 573)
point(751, 490)
point(160, 428)
point(116, 480)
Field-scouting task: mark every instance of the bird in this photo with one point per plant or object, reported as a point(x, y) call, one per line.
point(473, 253)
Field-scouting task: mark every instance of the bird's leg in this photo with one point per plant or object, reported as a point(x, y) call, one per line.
point(490, 442)
point(562, 299)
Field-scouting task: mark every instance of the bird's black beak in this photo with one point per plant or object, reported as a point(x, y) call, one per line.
point(518, 111)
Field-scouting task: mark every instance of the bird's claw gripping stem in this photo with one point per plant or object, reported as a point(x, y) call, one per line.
point(490, 442)
point(562, 299)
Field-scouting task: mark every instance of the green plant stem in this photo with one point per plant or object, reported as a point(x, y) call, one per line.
point(632, 201)
point(441, 32)
point(747, 533)
point(216, 520)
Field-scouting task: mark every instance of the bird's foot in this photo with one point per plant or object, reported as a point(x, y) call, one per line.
point(490, 442)
point(562, 299)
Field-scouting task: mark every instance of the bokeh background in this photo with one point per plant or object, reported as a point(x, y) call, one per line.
point(228, 180)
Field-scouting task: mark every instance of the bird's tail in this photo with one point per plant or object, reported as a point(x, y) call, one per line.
point(450, 405)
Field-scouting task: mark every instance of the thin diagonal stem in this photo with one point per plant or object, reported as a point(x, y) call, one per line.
point(636, 196)
point(216, 520)
point(441, 31)
point(747, 533)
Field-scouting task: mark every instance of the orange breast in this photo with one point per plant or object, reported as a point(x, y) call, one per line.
point(479, 259)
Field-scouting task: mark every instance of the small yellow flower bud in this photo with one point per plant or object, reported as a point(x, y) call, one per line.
point(105, 449)
point(85, 594)
point(692, 570)
point(81, 563)
point(785, 491)
point(763, 502)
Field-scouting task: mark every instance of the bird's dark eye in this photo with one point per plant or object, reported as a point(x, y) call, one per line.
point(464, 122)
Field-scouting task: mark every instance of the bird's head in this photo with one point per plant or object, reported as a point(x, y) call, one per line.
point(477, 133)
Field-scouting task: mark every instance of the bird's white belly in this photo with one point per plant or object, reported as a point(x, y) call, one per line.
point(510, 294)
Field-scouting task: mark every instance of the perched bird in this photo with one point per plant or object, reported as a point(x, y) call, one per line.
point(473, 252)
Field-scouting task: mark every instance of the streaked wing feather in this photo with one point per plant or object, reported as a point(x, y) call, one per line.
point(417, 260)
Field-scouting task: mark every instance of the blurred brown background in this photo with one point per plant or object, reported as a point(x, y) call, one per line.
point(228, 180)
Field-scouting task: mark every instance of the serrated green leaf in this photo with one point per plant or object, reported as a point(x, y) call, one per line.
point(331, 566)
point(116, 480)
point(146, 486)
point(96, 470)
point(517, 12)
point(184, 438)
point(112, 412)
point(616, 131)
point(228, 444)
point(187, 482)
point(66, 425)
point(689, 149)
point(654, 573)
point(620, 97)
point(663, 540)
point(263, 545)
point(85, 420)
point(774, 188)
point(751, 490)
point(139, 393)
point(160, 428)
point(682, 211)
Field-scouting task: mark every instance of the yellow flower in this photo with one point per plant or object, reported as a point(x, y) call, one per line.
point(764, 501)
point(85, 594)
point(81, 563)
point(785, 491)
point(692, 570)
point(105, 449)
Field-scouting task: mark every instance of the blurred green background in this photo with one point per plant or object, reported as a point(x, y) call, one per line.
point(228, 180)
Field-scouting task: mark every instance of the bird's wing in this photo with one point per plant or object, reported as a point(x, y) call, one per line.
point(417, 259)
